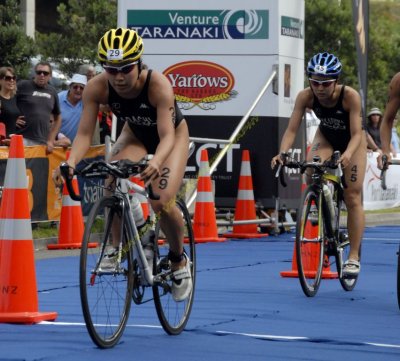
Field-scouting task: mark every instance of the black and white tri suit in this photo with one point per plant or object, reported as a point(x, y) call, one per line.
point(140, 115)
point(334, 123)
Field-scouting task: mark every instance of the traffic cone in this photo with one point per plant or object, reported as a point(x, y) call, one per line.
point(142, 199)
point(245, 208)
point(310, 232)
point(18, 296)
point(204, 220)
point(70, 233)
point(2, 131)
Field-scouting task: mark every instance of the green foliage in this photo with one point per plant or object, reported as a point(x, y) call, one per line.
point(83, 23)
point(329, 26)
point(16, 48)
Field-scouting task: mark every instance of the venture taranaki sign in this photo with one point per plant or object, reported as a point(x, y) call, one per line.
point(199, 24)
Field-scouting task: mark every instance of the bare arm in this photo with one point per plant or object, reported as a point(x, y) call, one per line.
point(352, 102)
point(302, 102)
point(88, 120)
point(162, 97)
point(392, 106)
point(53, 133)
point(370, 142)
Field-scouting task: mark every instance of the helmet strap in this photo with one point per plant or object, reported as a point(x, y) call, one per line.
point(139, 67)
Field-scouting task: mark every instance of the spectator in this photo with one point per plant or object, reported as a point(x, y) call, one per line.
point(71, 105)
point(88, 70)
point(36, 100)
point(105, 121)
point(61, 140)
point(9, 112)
point(395, 139)
point(374, 119)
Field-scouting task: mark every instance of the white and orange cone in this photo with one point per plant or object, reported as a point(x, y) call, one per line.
point(245, 208)
point(18, 299)
point(204, 220)
point(70, 233)
point(311, 257)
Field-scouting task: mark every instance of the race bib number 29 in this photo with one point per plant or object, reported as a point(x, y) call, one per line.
point(115, 54)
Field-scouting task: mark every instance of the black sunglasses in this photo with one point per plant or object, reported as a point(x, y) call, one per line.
point(324, 83)
point(76, 87)
point(125, 69)
point(9, 77)
point(42, 72)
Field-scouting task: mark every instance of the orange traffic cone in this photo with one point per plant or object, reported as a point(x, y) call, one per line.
point(18, 296)
point(71, 229)
point(204, 220)
point(142, 199)
point(245, 208)
point(311, 262)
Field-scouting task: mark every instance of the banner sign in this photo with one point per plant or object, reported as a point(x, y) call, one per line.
point(373, 194)
point(361, 24)
point(218, 56)
point(45, 200)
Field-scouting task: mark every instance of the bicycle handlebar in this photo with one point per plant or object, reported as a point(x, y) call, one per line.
point(385, 167)
point(316, 165)
point(101, 169)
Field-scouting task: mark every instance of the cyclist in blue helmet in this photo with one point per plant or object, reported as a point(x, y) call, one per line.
point(338, 108)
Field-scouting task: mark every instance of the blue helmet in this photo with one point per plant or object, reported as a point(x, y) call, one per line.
point(324, 64)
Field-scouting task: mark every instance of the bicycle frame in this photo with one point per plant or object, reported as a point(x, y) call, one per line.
point(133, 233)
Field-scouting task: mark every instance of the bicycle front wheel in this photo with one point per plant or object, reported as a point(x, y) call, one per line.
point(310, 242)
point(105, 295)
point(174, 315)
point(398, 277)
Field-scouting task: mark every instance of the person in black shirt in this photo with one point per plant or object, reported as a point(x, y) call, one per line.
point(36, 100)
point(9, 112)
point(339, 109)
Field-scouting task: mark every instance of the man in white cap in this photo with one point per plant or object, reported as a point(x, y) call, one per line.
point(71, 105)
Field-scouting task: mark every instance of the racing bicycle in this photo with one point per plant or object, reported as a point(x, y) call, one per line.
point(321, 233)
point(106, 296)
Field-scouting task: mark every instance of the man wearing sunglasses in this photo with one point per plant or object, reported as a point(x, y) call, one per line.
point(71, 105)
point(339, 109)
point(36, 100)
point(143, 101)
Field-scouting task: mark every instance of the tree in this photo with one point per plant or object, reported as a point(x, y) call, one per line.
point(83, 23)
point(329, 26)
point(16, 48)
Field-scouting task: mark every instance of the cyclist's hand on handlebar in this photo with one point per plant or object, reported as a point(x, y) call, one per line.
point(57, 177)
point(380, 159)
point(151, 172)
point(345, 159)
point(278, 159)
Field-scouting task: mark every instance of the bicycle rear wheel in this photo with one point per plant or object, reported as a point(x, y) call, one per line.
point(105, 297)
point(398, 277)
point(310, 242)
point(174, 315)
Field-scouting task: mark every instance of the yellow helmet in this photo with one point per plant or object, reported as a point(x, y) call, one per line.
point(118, 45)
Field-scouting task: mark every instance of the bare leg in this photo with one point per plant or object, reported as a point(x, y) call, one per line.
point(167, 186)
point(355, 173)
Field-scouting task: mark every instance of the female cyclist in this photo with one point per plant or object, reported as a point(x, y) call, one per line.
point(144, 101)
point(339, 109)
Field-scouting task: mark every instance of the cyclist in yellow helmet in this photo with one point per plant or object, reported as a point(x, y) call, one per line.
point(151, 123)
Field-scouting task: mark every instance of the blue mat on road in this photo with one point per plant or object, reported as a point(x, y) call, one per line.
point(243, 310)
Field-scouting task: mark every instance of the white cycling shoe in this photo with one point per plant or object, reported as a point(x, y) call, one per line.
point(182, 282)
